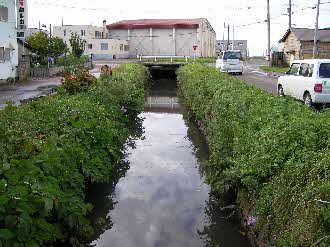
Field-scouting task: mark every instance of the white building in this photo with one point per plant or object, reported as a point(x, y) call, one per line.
point(96, 42)
point(166, 37)
point(8, 41)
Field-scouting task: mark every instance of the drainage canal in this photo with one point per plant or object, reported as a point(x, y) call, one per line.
point(160, 197)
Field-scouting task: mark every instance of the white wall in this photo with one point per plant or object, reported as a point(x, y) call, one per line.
point(169, 42)
point(114, 49)
point(65, 31)
point(8, 39)
point(114, 43)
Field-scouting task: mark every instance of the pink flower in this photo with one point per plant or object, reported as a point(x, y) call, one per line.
point(252, 221)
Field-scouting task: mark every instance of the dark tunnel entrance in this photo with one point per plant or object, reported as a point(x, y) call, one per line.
point(163, 94)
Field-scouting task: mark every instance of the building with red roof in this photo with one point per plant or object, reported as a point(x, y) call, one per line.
point(166, 37)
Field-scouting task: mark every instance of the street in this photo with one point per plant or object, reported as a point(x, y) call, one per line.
point(27, 90)
point(253, 75)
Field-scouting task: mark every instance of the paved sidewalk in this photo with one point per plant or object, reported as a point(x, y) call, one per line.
point(27, 90)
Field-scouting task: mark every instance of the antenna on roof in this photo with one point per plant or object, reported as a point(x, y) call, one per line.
point(62, 21)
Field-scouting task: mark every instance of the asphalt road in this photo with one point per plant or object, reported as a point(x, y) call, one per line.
point(253, 75)
point(19, 92)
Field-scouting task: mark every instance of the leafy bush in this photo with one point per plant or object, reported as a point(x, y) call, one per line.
point(71, 60)
point(51, 149)
point(77, 81)
point(274, 151)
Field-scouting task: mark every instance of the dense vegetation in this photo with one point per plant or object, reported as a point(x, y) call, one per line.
point(53, 148)
point(274, 151)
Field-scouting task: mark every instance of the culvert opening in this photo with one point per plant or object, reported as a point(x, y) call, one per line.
point(163, 95)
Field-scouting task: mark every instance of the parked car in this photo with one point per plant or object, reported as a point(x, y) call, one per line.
point(308, 81)
point(230, 62)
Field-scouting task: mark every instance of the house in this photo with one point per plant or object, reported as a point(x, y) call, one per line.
point(96, 42)
point(166, 37)
point(8, 41)
point(239, 45)
point(297, 43)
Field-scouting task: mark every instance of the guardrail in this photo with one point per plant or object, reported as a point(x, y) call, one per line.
point(171, 58)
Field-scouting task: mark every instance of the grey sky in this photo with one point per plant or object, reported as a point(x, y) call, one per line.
point(235, 12)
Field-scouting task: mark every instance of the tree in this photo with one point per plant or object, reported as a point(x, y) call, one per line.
point(39, 43)
point(57, 47)
point(77, 45)
point(44, 46)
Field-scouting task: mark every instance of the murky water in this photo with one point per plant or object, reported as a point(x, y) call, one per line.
point(162, 200)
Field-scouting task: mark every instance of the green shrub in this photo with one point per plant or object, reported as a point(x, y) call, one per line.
point(273, 150)
point(71, 60)
point(51, 150)
point(79, 80)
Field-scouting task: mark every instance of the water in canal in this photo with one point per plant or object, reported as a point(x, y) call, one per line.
point(160, 197)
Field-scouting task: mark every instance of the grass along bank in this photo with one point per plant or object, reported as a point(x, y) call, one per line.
point(53, 148)
point(281, 70)
point(273, 151)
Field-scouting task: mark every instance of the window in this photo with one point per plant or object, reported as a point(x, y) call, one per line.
point(325, 70)
point(83, 32)
point(2, 54)
point(7, 54)
point(90, 46)
point(104, 46)
point(240, 44)
point(121, 47)
point(98, 34)
point(126, 47)
point(232, 55)
point(3, 13)
point(64, 32)
point(306, 70)
point(294, 69)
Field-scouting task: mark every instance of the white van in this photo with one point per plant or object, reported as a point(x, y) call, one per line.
point(230, 62)
point(308, 81)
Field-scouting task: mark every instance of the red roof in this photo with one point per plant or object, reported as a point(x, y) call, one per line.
point(156, 23)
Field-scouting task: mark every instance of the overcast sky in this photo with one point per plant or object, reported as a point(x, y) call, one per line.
point(234, 12)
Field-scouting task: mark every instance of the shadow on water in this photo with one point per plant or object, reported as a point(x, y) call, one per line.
point(159, 196)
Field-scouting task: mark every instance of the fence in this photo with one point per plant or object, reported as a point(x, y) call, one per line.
point(45, 72)
point(164, 58)
point(50, 72)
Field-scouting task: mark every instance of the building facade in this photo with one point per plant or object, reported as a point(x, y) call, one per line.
point(8, 41)
point(160, 37)
point(96, 42)
point(297, 43)
point(32, 31)
point(239, 45)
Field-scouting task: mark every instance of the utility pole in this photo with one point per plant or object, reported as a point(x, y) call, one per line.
point(233, 37)
point(290, 14)
point(39, 27)
point(316, 29)
point(228, 37)
point(50, 30)
point(268, 25)
point(224, 31)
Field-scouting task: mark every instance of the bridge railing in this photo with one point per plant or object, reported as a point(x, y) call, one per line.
point(165, 58)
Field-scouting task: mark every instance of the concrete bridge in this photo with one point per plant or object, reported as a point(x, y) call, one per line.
point(165, 62)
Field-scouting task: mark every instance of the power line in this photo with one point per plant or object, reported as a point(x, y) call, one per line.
point(272, 18)
point(74, 7)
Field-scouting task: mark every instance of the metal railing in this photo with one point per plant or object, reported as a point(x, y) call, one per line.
point(171, 58)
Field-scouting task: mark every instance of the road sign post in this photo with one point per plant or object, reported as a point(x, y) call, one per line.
point(195, 49)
